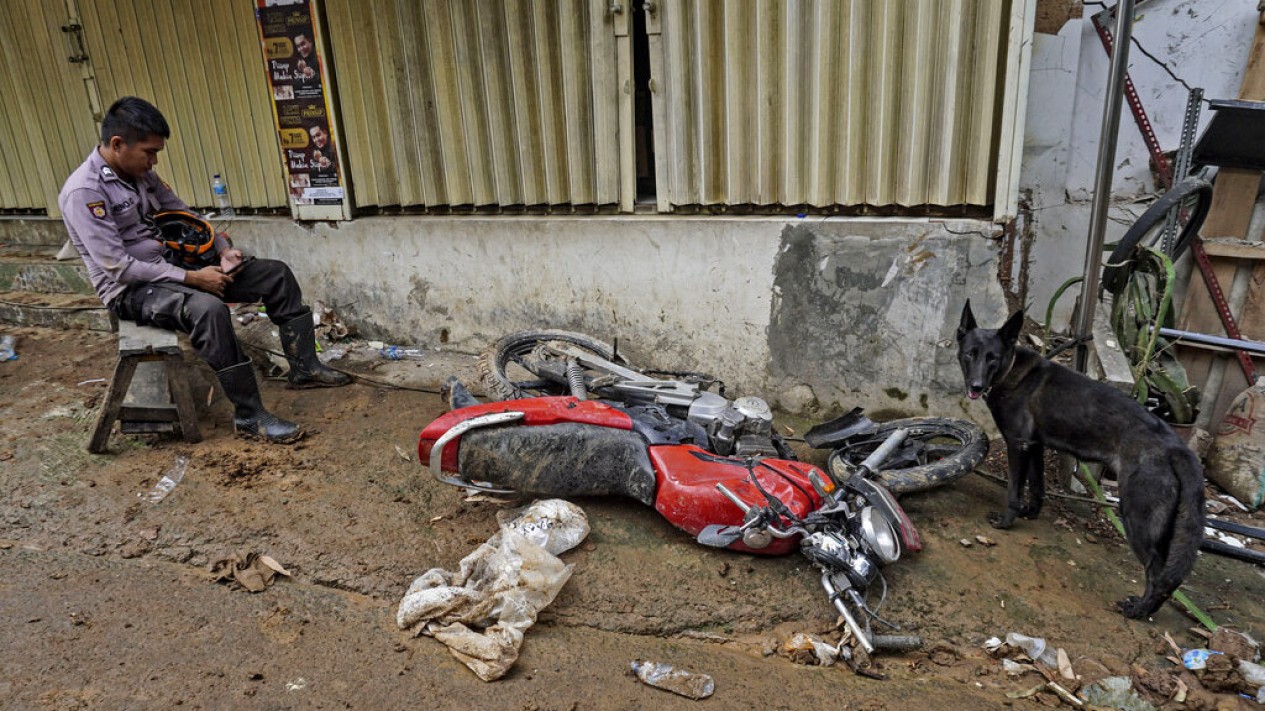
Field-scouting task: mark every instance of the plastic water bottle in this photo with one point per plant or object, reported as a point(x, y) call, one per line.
point(400, 353)
point(169, 480)
point(679, 681)
point(7, 351)
point(219, 189)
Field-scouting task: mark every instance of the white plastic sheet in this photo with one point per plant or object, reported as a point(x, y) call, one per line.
point(482, 610)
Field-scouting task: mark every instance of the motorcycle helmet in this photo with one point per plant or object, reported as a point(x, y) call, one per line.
point(188, 240)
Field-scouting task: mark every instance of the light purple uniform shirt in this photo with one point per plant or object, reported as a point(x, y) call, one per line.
point(109, 221)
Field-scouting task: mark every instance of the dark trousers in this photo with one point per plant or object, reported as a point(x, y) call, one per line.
point(205, 317)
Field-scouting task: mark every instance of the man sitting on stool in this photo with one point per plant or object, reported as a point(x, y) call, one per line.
point(108, 205)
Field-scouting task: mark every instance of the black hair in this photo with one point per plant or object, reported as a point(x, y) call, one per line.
point(133, 119)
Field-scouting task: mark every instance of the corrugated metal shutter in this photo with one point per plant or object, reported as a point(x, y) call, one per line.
point(201, 63)
point(495, 102)
point(826, 102)
point(46, 127)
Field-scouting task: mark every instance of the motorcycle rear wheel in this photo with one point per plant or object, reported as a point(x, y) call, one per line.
point(508, 369)
point(937, 451)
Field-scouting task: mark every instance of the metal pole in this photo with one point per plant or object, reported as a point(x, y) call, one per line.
point(1102, 183)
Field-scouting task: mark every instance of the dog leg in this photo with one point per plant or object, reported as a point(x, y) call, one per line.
point(1034, 471)
point(1148, 509)
point(1017, 478)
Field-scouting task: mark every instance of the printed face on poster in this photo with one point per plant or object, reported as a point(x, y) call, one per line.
point(299, 94)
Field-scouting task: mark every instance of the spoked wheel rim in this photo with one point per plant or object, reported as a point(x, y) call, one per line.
point(937, 450)
point(520, 365)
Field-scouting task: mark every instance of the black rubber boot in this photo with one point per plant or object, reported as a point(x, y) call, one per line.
point(298, 340)
point(250, 419)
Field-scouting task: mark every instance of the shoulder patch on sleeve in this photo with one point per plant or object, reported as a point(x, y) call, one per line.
point(97, 208)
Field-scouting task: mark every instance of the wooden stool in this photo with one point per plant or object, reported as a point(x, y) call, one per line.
point(150, 389)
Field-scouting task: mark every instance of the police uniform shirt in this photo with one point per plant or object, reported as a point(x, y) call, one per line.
point(110, 221)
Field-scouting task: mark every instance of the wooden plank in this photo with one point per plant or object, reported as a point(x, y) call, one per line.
point(1234, 248)
point(135, 339)
point(113, 402)
point(1112, 363)
point(1233, 197)
point(1252, 318)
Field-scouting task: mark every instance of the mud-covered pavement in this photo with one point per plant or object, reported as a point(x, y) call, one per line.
point(106, 601)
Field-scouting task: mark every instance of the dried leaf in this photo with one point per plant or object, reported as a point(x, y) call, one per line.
point(271, 563)
point(1065, 666)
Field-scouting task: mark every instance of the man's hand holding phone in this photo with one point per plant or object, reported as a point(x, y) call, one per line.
point(231, 259)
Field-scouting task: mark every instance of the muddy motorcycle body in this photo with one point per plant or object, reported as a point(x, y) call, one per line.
point(573, 419)
point(561, 446)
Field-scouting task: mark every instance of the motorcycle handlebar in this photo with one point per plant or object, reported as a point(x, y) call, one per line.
point(758, 519)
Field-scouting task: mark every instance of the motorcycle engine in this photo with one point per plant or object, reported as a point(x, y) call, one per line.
point(743, 427)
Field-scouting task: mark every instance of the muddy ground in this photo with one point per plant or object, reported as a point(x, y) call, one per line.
point(106, 600)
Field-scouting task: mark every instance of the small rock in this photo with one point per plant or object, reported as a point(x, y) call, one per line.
point(1221, 674)
point(1229, 641)
point(966, 543)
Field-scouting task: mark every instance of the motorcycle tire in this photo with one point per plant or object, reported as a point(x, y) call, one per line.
point(955, 448)
point(1149, 226)
point(493, 363)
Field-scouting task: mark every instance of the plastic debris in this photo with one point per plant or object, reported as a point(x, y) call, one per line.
point(1196, 659)
point(804, 648)
point(679, 681)
point(252, 572)
point(482, 610)
point(1115, 692)
point(168, 481)
point(7, 349)
point(1253, 674)
point(1034, 647)
point(401, 353)
point(328, 323)
point(332, 354)
point(1012, 667)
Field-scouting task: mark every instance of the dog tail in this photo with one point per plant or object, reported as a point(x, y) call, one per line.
point(1188, 522)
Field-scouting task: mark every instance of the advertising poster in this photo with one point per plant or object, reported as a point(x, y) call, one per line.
point(297, 79)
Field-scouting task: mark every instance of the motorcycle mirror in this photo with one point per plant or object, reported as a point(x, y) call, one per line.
point(718, 536)
point(828, 435)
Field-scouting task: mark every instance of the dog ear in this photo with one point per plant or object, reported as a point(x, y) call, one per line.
point(1009, 331)
point(968, 320)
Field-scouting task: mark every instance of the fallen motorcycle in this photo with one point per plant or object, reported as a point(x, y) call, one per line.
point(574, 419)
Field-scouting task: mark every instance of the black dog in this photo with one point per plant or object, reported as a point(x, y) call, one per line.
point(1037, 404)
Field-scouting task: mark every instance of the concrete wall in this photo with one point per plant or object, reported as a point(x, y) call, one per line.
point(1205, 44)
point(814, 314)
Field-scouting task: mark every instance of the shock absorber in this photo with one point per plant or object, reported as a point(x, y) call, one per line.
point(575, 379)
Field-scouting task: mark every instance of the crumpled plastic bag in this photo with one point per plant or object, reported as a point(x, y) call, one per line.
point(251, 571)
point(482, 610)
point(804, 648)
